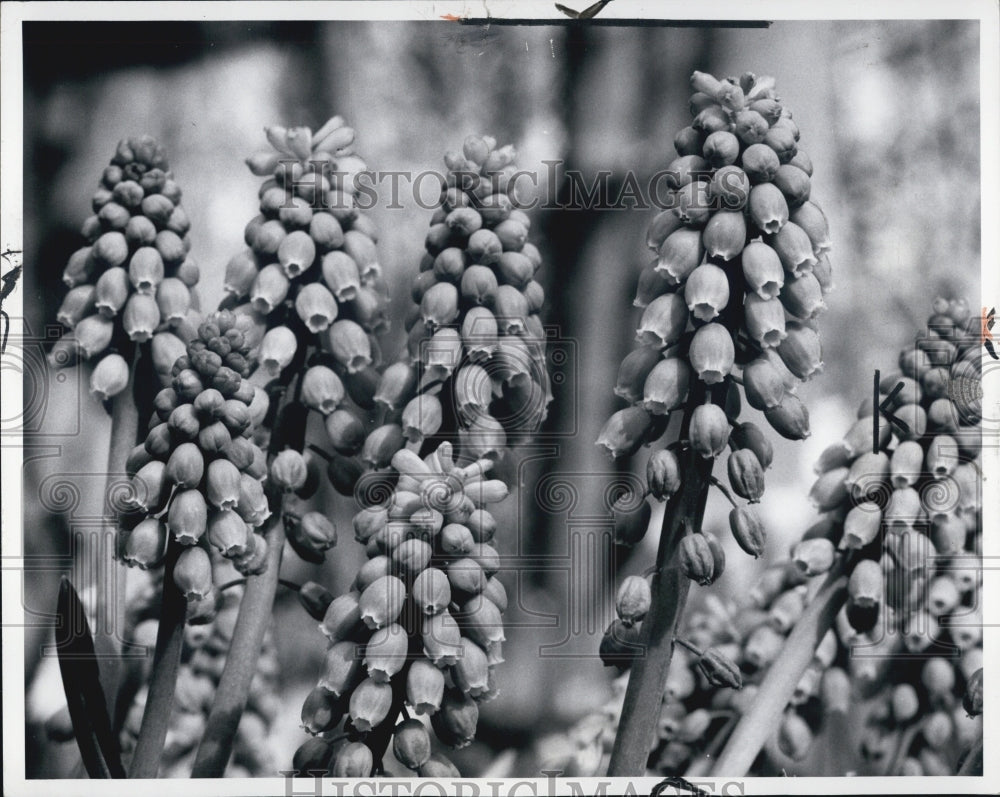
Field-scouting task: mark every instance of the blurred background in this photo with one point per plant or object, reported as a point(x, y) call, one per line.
point(889, 113)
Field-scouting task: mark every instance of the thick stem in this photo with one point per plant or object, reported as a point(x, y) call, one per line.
point(241, 662)
point(759, 723)
point(166, 663)
point(646, 682)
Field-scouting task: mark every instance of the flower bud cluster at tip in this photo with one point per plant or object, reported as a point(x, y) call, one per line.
point(310, 266)
point(905, 652)
point(133, 279)
point(199, 476)
point(731, 301)
point(475, 330)
point(205, 647)
point(423, 616)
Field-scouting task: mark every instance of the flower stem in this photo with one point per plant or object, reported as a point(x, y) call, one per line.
point(759, 723)
point(241, 662)
point(684, 510)
point(166, 662)
point(973, 764)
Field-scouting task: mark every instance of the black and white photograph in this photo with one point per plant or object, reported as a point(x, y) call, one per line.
point(500, 398)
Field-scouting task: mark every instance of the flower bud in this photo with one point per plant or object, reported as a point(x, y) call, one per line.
point(342, 618)
point(318, 531)
point(803, 297)
point(765, 320)
point(750, 436)
point(148, 486)
point(187, 518)
point(768, 208)
point(110, 293)
point(421, 418)
point(725, 235)
point(663, 321)
point(316, 307)
point(633, 599)
point(381, 603)
point(277, 350)
point(381, 444)
point(712, 353)
point(814, 556)
point(350, 346)
point(720, 670)
point(762, 384)
point(441, 639)
point(424, 687)
point(721, 149)
point(396, 385)
point(680, 254)
point(80, 267)
point(746, 475)
point(322, 389)
point(411, 744)
point(289, 471)
point(193, 573)
point(269, 289)
point(631, 516)
point(109, 377)
point(432, 591)
point(663, 474)
point(146, 544)
point(666, 387)
point(252, 506)
point(663, 225)
point(109, 250)
point(140, 318)
point(455, 723)
point(942, 456)
point(228, 533)
point(78, 303)
point(708, 430)
point(938, 676)
point(385, 653)
point(861, 526)
point(794, 249)
point(186, 466)
point(296, 253)
point(625, 431)
point(346, 432)
point(706, 291)
point(762, 270)
point(479, 285)
point(696, 559)
point(790, 418)
point(800, 351)
point(354, 760)
point(369, 705)
point(812, 220)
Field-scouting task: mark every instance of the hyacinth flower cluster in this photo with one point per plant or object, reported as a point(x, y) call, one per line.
point(898, 666)
point(474, 331)
point(198, 477)
point(310, 267)
point(474, 371)
point(730, 301)
point(420, 628)
point(133, 280)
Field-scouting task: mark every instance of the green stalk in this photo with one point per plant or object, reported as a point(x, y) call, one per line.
point(241, 662)
point(684, 512)
point(760, 722)
point(166, 663)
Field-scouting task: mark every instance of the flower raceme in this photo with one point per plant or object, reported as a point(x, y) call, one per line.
point(424, 615)
point(198, 475)
point(422, 622)
point(908, 517)
point(133, 280)
point(731, 300)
